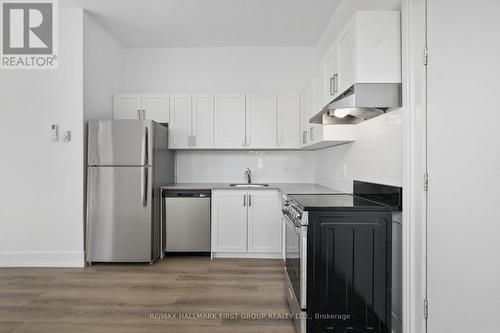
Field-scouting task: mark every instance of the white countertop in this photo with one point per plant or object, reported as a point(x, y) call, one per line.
point(288, 188)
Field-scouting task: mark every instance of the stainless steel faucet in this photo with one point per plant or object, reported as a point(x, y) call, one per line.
point(248, 173)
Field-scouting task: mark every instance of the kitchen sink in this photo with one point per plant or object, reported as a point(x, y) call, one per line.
point(249, 185)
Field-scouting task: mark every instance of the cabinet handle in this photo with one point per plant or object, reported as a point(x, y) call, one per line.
point(138, 114)
point(331, 86)
point(336, 83)
point(143, 114)
point(244, 200)
point(311, 133)
point(249, 200)
point(304, 137)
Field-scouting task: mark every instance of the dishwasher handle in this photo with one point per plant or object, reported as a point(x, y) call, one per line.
point(186, 194)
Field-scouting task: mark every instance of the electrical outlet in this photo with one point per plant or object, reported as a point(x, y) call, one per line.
point(54, 133)
point(66, 136)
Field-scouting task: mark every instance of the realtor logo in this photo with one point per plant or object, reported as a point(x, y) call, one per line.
point(29, 39)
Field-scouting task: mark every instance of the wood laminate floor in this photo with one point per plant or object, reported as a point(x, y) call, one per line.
point(181, 294)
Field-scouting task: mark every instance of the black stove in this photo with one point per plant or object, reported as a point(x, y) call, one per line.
point(334, 202)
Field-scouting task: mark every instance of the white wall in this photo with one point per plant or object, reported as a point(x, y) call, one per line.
point(229, 166)
point(41, 192)
point(103, 69)
point(376, 155)
point(218, 69)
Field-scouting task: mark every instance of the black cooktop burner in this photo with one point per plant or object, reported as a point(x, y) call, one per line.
point(335, 202)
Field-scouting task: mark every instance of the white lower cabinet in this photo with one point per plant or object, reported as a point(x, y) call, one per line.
point(246, 223)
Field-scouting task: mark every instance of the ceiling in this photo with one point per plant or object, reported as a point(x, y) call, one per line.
point(191, 23)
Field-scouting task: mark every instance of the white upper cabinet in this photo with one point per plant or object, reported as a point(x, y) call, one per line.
point(289, 121)
point(330, 75)
point(230, 121)
point(141, 106)
point(261, 120)
point(156, 107)
point(203, 121)
point(369, 49)
point(180, 133)
point(127, 106)
point(264, 222)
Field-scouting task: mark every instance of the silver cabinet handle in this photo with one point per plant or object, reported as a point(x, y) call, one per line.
point(138, 114)
point(336, 83)
point(331, 86)
point(143, 114)
point(244, 200)
point(304, 137)
point(311, 133)
point(249, 200)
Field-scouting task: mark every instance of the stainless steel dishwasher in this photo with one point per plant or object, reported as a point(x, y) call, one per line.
point(186, 220)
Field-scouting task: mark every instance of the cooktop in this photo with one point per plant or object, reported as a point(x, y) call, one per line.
point(335, 202)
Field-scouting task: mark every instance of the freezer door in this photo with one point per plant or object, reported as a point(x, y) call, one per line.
point(119, 224)
point(120, 142)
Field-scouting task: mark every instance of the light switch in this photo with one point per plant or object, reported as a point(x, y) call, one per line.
point(54, 135)
point(67, 136)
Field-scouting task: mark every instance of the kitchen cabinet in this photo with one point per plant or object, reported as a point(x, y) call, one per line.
point(369, 49)
point(264, 222)
point(203, 121)
point(289, 121)
point(192, 121)
point(180, 121)
point(261, 121)
point(330, 75)
point(141, 106)
point(247, 222)
point(229, 221)
point(230, 121)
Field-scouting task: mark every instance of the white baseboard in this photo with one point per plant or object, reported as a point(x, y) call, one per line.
point(42, 259)
point(247, 255)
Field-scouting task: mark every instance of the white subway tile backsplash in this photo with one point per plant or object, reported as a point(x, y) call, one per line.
point(375, 156)
point(229, 166)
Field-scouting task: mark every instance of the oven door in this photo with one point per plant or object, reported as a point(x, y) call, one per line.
point(296, 259)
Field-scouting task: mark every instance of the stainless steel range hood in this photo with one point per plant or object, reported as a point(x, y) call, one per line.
point(362, 101)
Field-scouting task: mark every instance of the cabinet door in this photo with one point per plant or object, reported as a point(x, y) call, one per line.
point(289, 126)
point(229, 221)
point(260, 121)
point(264, 222)
point(346, 58)
point(156, 107)
point(330, 78)
point(203, 121)
point(318, 92)
point(127, 106)
point(230, 121)
point(180, 121)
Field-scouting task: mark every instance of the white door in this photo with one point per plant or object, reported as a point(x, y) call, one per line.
point(261, 121)
point(289, 119)
point(346, 58)
point(229, 221)
point(127, 106)
point(264, 222)
point(230, 121)
point(156, 107)
point(463, 225)
point(203, 121)
point(330, 79)
point(180, 121)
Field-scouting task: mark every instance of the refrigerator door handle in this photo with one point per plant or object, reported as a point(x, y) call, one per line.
point(145, 147)
point(144, 187)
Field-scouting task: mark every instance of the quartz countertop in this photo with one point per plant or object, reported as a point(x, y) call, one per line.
point(288, 188)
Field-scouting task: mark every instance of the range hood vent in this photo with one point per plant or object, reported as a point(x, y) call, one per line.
point(362, 101)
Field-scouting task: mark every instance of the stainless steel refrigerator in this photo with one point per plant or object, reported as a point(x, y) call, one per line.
point(127, 162)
